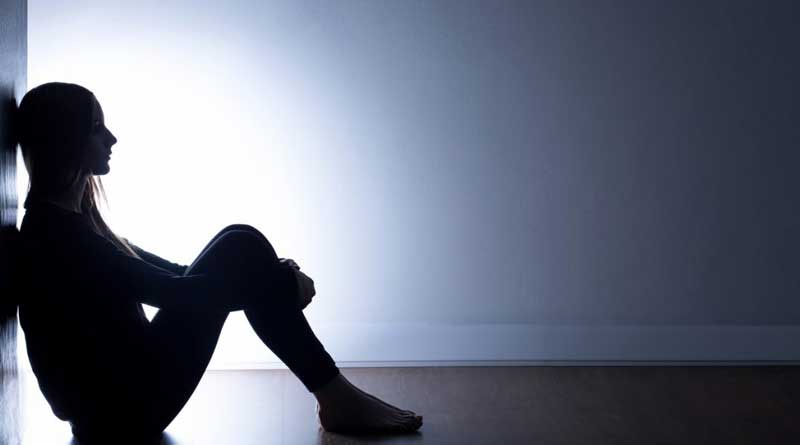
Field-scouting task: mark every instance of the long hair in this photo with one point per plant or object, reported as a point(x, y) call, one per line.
point(55, 122)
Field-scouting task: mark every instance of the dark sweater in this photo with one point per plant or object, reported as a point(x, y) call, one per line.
point(81, 312)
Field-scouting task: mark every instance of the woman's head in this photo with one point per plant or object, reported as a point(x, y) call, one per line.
point(62, 133)
point(63, 137)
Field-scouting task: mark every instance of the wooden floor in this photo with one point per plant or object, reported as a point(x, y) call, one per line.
point(493, 405)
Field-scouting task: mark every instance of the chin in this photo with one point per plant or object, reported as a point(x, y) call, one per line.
point(101, 170)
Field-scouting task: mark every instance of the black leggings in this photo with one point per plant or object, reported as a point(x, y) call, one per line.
point(184, 341)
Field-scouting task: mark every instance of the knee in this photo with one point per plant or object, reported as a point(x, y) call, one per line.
point(242, 228)
point(246, 243)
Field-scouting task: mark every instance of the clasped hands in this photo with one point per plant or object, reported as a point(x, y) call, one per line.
point(305, 285)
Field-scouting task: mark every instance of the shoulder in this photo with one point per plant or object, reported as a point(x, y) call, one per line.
point(47, 225)
point(46, 235)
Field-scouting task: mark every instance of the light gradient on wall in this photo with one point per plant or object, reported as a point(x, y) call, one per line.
point(486, 168)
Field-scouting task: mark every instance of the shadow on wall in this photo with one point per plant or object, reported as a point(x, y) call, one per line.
point(9, 375)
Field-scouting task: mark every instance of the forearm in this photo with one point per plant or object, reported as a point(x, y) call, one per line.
point(157, 260)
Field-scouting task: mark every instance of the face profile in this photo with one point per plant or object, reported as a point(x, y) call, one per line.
point(99, 142)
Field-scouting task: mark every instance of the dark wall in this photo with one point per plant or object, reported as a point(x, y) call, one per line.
point(13, 61)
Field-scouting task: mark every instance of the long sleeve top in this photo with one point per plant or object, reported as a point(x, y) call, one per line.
point(81, 307)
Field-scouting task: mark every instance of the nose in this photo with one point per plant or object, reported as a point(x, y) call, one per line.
point(112, 139)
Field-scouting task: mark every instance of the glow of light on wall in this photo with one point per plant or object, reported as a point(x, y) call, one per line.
point(208, 138)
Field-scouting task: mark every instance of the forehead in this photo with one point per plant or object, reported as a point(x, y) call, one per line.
point(97, 110)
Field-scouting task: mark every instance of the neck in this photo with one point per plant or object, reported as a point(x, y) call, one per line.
point(71, 198)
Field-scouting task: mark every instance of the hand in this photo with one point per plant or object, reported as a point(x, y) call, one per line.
point(289, 262)
point(305, 289)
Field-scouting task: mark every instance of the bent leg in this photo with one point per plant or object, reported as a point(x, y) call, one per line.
point(186, 340)
point(276, 319)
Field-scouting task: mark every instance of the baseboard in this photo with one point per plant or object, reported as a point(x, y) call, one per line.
point(429, 344)
point(253, 366)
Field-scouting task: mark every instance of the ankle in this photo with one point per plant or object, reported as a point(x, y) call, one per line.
point(332, 392)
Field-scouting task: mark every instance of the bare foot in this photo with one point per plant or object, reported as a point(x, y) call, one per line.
point(346, 409)
point(377, 399)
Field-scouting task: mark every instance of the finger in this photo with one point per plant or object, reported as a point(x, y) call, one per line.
point(289, 261)
point(289, 264)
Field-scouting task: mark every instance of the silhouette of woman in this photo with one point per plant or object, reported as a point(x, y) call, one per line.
point(98, 361)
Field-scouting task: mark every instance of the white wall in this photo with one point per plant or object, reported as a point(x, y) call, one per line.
point(464, 180)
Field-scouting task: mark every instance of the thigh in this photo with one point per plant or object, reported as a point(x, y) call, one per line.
point(182, 346)
point(184, 341)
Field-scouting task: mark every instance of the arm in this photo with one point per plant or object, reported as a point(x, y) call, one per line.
point(96, 261)
point(156, 260)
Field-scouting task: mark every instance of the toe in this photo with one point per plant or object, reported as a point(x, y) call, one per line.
point(413, 425)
